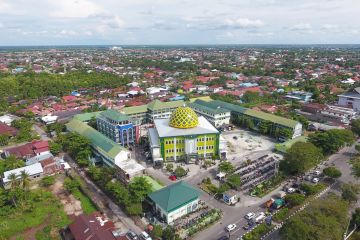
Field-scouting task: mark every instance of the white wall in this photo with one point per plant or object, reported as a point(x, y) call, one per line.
point(179, 212)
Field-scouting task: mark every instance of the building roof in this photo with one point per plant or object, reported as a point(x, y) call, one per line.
point(158, 105)
point(256, 114)
point(183, 117)
point(85, 117)
point(174, 196)
point(31, 170)
point(114, 115)
point(206, 107)
point(93, 227)
point(7, 130)
point(99, 141)
point(164, 130)
point(135, 109)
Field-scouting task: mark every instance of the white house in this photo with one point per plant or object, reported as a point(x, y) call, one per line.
point(34, 171)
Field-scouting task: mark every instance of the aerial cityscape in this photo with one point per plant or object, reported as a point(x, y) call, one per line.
point(171, 120)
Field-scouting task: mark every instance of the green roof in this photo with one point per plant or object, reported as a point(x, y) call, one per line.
point(256, 114)
point(84, 117)
point(158, 105)
point(174, 196)
point(200, 104)
point(135, 109)
point(115, 115)
point(98, 141)
point(154, 105)
point(283, 147)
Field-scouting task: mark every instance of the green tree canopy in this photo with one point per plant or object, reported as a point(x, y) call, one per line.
point(139, 188)
point(332, 172)
point(350, 192)
point(294, 199)
point(226, 167)
point(300, 157)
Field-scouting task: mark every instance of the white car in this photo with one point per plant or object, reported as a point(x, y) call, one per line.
point(317, 173)
point(231, 227)
point(250, 216)
point(291, 190)
point(315, 180)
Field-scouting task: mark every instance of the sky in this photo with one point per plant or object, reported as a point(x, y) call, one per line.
point(147, 22)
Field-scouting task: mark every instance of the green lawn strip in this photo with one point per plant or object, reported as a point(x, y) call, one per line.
point(258, 232)
point(86, 203)
point(156, 184)
point(45, 207)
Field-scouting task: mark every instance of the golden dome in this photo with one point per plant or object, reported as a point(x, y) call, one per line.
point(183, 117)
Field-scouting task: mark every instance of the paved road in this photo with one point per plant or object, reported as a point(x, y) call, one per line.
point(41, 132)
point(112, 210)
point(340, 161)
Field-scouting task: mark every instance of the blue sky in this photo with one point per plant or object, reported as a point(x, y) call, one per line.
point(86, 22)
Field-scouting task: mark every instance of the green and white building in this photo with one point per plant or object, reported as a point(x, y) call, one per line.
point(174, 201)
point(216, 116)
point(184, 136)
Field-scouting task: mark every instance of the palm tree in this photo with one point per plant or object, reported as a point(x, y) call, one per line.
point(13, 185)
point(25, 180)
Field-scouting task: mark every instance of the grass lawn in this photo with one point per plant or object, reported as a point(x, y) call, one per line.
point(86, 204)
point(44, 208)
point(156, 185)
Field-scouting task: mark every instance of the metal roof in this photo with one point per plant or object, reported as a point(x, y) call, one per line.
point(115, 115)
point(99, 141)
point(174, 196)
point(206, 107)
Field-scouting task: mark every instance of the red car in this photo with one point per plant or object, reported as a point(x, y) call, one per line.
point(173, 178)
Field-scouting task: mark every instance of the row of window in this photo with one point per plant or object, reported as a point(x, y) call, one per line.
point(203, 147)
point(207, 139)
point(172, 141)
point(178, 150)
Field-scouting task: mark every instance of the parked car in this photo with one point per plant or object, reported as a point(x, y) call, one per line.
point(315, 180)
point(260, 217)
point(173, 178)
point(145, 236)
point(223, 238)
point(317, 173)
point(308, 178)
point(235, 137)
point(130, 234)
point(249, 215)
point(291, 190)
point(231, 227)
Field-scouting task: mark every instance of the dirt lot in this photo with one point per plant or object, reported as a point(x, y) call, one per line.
point(241, 143)
point(72, 206)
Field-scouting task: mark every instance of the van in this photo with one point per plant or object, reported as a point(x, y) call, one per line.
point(260, 217)
point(145, 236)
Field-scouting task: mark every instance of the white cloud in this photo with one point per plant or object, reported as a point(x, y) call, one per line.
point(329, 27)
point(65, 32)
point(301, 27)
point(243, 23)
point(5, 7)
point(75, 9)
point(1, 25)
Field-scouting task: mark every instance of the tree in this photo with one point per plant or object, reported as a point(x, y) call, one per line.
point(169, 167)
point(180, 172)
point(119, 192)
point(332, 140)
point(55, 148)
point(169, 234)
point(332, 172)
point(264, 127)
point(356, 217)
point(47, 181)
point(350, 192)
point(226, 167)
point(139, 188)
point(324, 219)
point(14, 183)
point(157, 231)
point(294, 199)
point(4, 139)
point(134, 209)
point(357, 147)
point(71, 185)
point(25, 180)
point(300, 157)
point(234, 180)
point(223, 188)
point(355, 126)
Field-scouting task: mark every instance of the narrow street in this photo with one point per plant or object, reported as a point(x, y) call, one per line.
point(112, 210)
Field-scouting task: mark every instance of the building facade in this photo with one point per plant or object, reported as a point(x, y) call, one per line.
point(175, 201)
point(184, 136)
point(217, 117)
point(350, 99)
point(118, 127)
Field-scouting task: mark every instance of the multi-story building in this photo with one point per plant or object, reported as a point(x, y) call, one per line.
point(216, 116)
point(118, 127)
point(154, 110)
point(350, 99)
point(184, 136)
point(299, 96)
point(279, 127)
point(107, 152)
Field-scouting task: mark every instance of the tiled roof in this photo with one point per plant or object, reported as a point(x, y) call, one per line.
point(174, 196)
point(203, 105)
point(99, 141)
point(84, 117)
point(157, 104)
